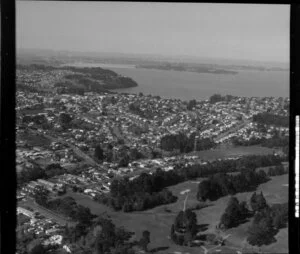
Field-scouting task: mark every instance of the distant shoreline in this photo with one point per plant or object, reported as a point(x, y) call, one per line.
point(101, 65)
point(210, 70)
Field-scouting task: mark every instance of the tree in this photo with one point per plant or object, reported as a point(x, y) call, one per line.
point(188, 238)
point(261, 231)
point(41, 195)
point(234, 214)
point(279, 213)
point(99, 153)
point(191, 104)
point(145, 240)
point(258, 202)
point(184, 228)
point(216, 98)
point(203, 190)
point(253, 202)
point(65, 120)
point(123, 162)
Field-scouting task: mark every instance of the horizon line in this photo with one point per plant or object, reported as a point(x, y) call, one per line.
point(155, 55)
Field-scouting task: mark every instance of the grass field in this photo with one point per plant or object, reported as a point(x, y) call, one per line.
point(158, 221)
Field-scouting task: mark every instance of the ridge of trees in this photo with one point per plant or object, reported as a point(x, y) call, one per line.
point(148, 190)
point(222, 184)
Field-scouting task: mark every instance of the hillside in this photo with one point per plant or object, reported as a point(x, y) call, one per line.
point(72, 79)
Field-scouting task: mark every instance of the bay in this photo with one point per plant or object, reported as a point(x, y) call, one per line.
point(200, 86)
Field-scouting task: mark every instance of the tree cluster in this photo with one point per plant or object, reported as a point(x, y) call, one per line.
point(137, 130)
point(184, 229)
point(227, 166)
point(191, 104)
point(36, 172)
point(65, 120)
point(185, 144)
point(258, 202)
point(103, 237)
point(147, 112)
point(37, 119)
point(54, 169)
point(267, 221)
point(136, 194)
point(30, 174)
point(274, 141)
point(66, 206)
point(271, 119)
point(70, 90)
point(217, 97)
point(235, 213)
point(141, 193)
point(277, 171)
point(28, 243)
point(221, 184)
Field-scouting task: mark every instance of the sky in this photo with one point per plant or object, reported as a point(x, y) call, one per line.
point(231, 31)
